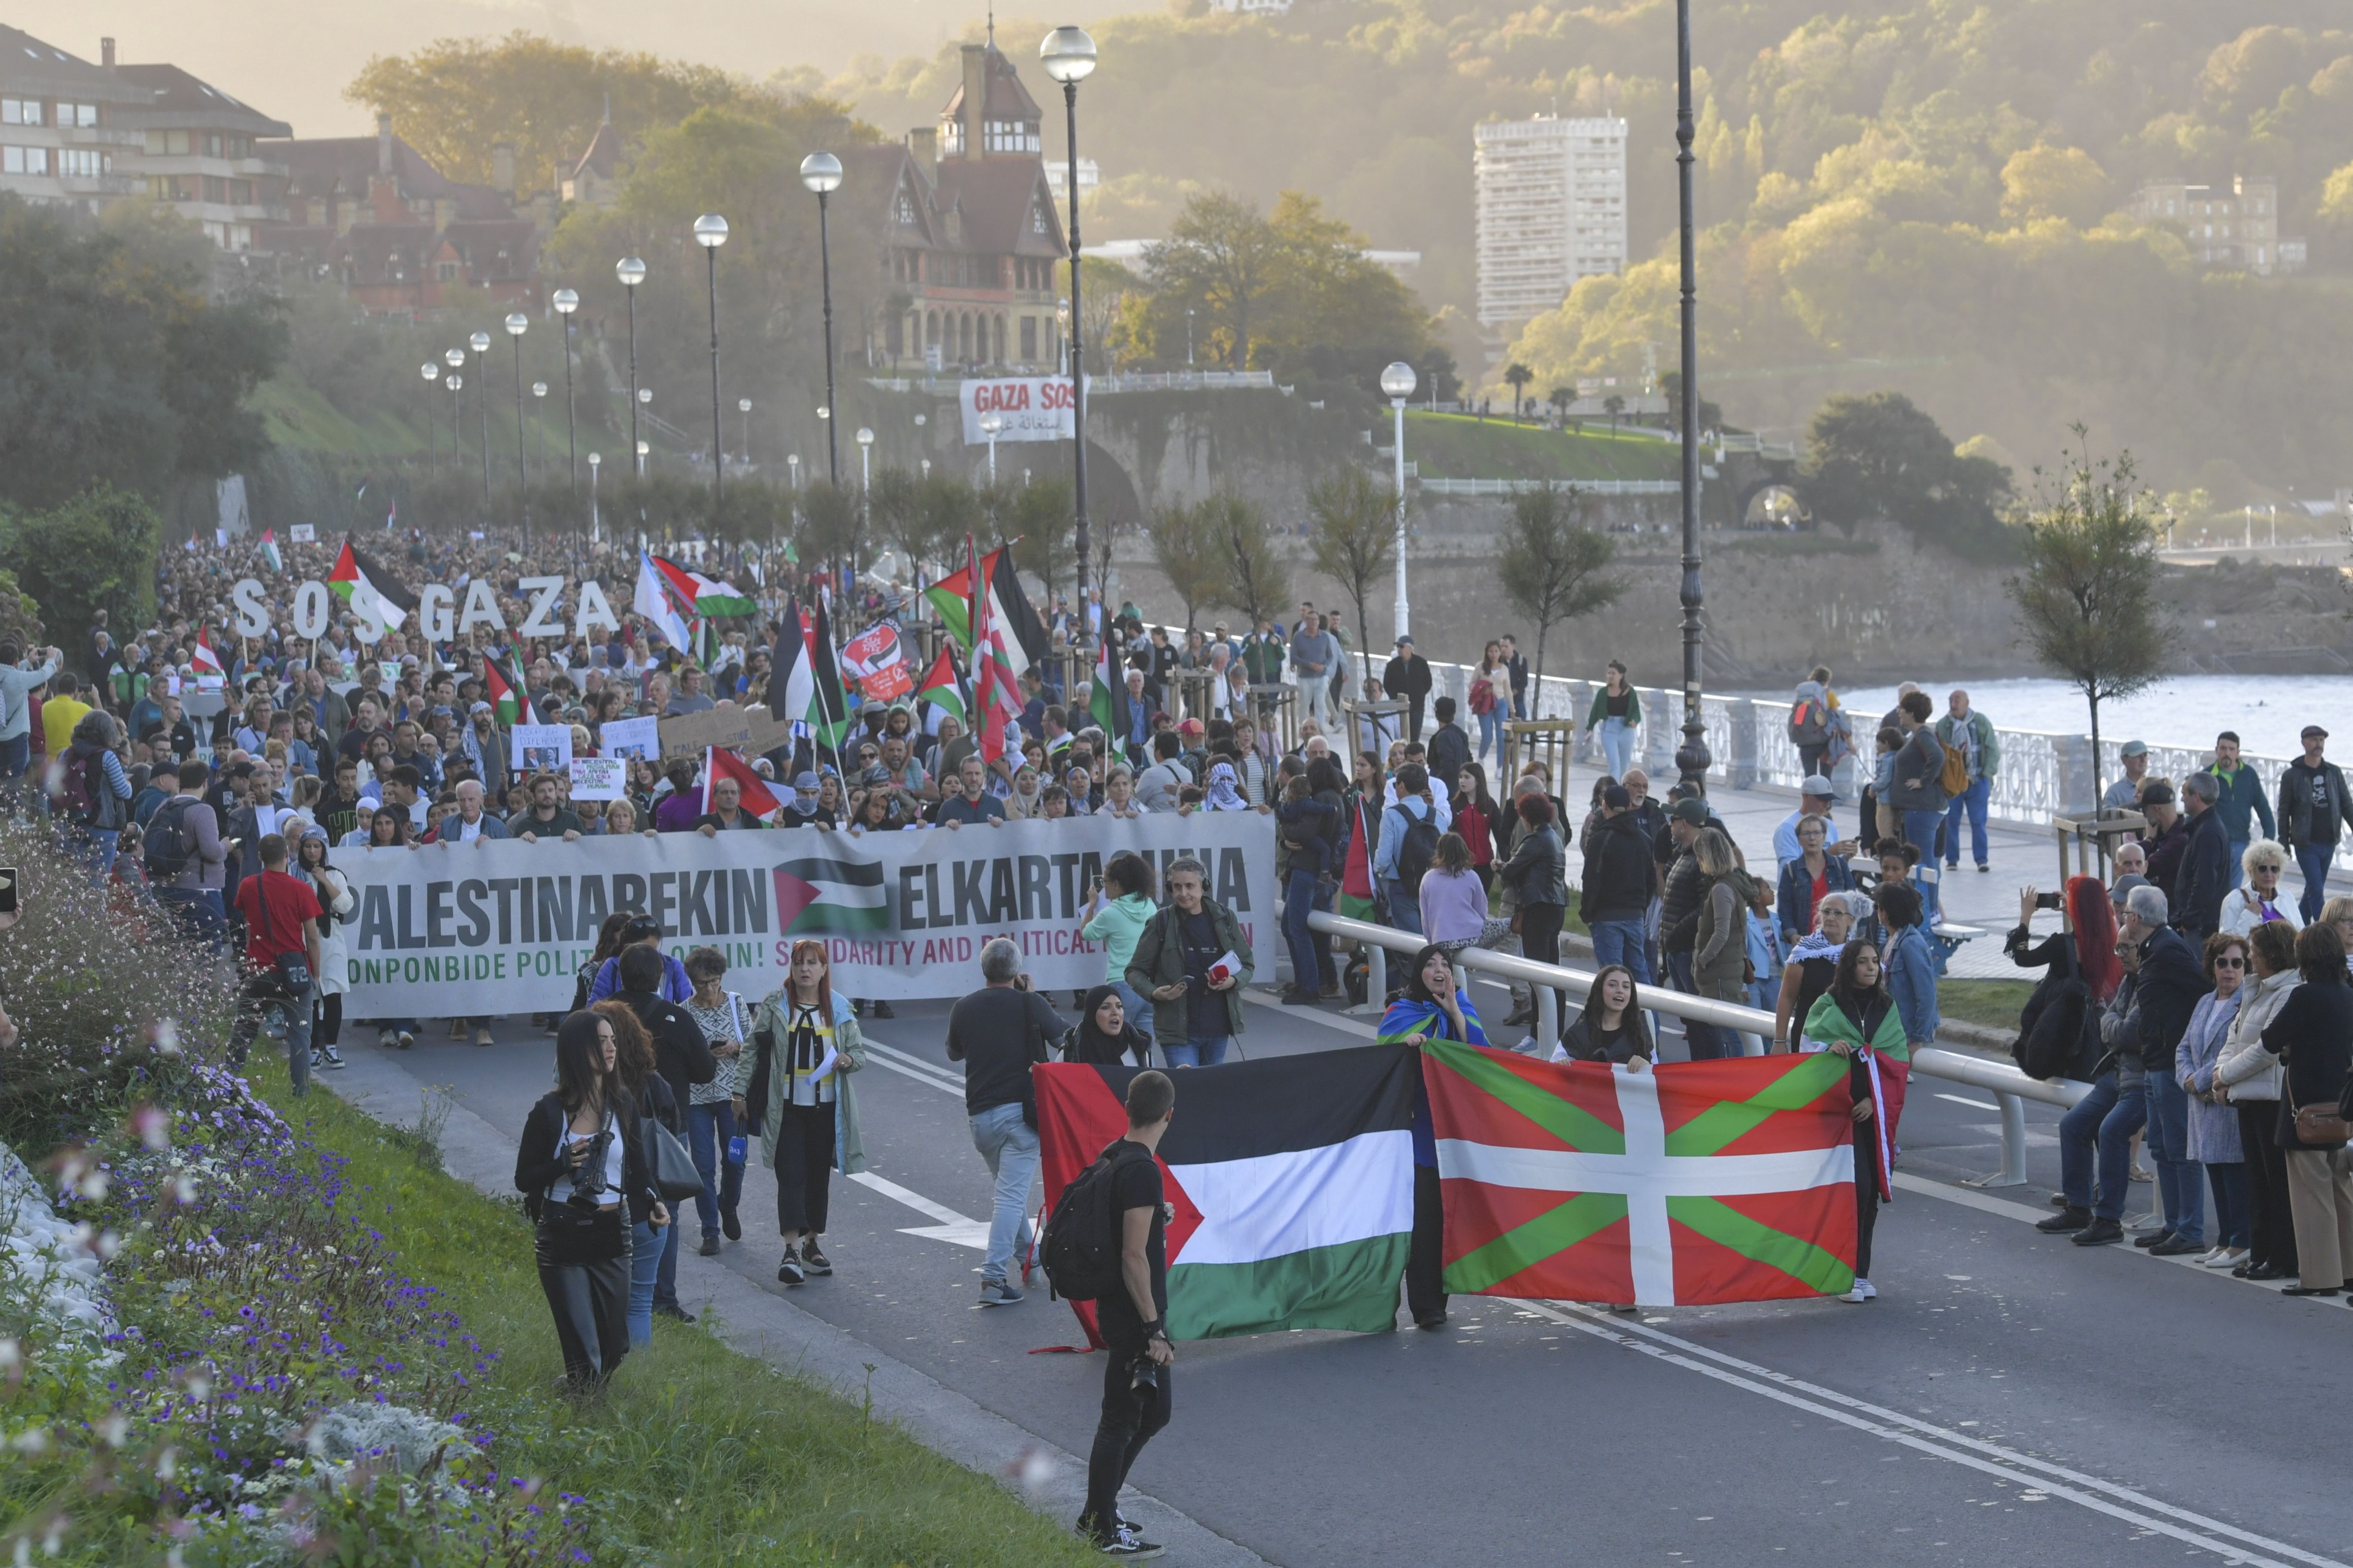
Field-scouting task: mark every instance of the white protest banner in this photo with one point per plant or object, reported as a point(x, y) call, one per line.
point(630, 739)
point(1034, 409)
point(304, 534)
point(499, 926)
point(543, 746)
point(599, 778)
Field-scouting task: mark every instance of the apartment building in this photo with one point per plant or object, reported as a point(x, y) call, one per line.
point(1551, 209)
point(63, 137)
point(2236, 226)
point(198, 151)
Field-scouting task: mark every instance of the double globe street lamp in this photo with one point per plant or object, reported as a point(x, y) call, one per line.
point(566, 301)
point(821, 172)
point(631, 272)
point(1068, 57)
point(710, 233)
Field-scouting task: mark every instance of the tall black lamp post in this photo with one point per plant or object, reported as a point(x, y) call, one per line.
point(517, 325)
point(821, 172)
point(1691, 759)
point(1069, 55)
point(631, 272)
point(566, 301)
point(710, 233)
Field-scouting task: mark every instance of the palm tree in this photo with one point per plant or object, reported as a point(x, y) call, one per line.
point(1515, 376)
point(1560, 397)
point(1616, 405)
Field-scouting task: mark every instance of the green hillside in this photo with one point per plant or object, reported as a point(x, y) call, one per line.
point(1459, 446)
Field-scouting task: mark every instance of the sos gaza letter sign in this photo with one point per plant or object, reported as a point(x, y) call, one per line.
point(1033, 408)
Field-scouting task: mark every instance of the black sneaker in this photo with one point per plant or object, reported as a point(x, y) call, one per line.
point(710, 1247)
point(2152, 1239)
point(882, 1010)
point(673, 1309)
point(815, 1262)
point(1126, 1542)
point(1295, 997)
point(789, 1271)
point(2066, 1222)
point(729, 1226)
point(327, 1057)
point(2100, 1233)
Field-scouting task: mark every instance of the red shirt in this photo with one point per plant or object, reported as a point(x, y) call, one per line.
point(1472, 824)
point(274, 906)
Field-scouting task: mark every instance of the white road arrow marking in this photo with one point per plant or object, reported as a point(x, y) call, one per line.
point(952, 1226)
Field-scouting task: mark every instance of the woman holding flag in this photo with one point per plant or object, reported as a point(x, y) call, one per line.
point(1430, 1008)
point(1856, 1018)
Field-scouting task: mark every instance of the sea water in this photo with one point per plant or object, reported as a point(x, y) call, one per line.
point(2269, 711)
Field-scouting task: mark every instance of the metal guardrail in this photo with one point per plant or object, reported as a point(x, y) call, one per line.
point(2011, 1087)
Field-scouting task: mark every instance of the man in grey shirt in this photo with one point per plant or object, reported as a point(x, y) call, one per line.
point(690, 697)
point(16, 687)
point(1314, 652)
point(186, 831)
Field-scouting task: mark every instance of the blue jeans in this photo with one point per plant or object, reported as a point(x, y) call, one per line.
point(1198, 1052)
point(198, 911)
point(1490, 731)
point(1298, 899)
point(1618, 746)
point(2312, 860)
point(1405, 909)
point(644, 1261)
point(2232, 1226)
point(15, 756)
point(1139, 1011)
point(2103, 1121)
point(2237, 865)
point(709, 1129)
point(1620, 942)
point(258, 998)
point(1706, 1041)
point(1010, 1146)
point(1972, 801)
point(666, 1272)
point(2178, 1186)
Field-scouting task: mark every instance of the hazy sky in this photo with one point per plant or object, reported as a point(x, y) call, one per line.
point(292, 58)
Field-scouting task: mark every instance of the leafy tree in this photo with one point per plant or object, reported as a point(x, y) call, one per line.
point(1257, 579)
point(1879, 457)
point(456, 96)
point(1560, 397)
point(1352, 536)
point(1188, 554)
point(118, 369)
point(2087, 591)
point(20, 619)
point(1555, 567)
point(2047, 182)
point(1517, 376)
point(97, 552)
point(1613, 405)
point(1039, 519)
point(1221, 257)
point(833, 524)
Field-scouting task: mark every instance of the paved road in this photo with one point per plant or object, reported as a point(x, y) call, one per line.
point(2009, 1399)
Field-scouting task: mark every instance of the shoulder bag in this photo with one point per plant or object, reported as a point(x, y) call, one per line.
point(667, 1163)
point(2321, 1125)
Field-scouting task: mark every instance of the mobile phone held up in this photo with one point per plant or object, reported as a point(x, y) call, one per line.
point(2046, 900)
point(9, 880)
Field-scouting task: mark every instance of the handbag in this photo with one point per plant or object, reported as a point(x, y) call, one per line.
point(667, 1161)
point(2322, 1126)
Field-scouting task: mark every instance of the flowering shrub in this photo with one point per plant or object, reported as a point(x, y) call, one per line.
point(261, 1383)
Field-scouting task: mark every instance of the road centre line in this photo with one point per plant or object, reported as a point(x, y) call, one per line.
point(2119, 1502)
point(912, 1066)
point(1964, 1099)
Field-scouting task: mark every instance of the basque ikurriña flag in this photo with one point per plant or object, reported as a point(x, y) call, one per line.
point(1291, 1178)
point(823, 895)
point(1687, 1184)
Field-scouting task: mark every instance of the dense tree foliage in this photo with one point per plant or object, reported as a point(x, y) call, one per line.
point(1880, 459)
point(97, 552)
point(119, 369)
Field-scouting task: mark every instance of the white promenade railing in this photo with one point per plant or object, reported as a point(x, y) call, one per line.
point(2011, 1087)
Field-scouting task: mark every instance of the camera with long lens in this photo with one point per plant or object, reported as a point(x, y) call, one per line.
point(1145, 1378)
point(588, 1176)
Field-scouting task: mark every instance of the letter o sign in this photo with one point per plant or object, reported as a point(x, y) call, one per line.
point(311, 603)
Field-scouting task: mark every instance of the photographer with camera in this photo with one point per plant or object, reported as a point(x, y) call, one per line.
point(281, 956)
point(1133, 1320)
point(580, 1164)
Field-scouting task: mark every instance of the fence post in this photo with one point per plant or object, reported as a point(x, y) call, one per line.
point(1376, 979)
point(2013, 1145)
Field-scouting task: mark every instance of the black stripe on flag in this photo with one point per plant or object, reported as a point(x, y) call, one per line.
point(1282, 1105)
point(852, 873)
point(381, 579)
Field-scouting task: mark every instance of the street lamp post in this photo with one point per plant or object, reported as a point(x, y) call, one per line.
point(1397, 385)
point(517, 324)
point(596, 461)
point(631, 272)
point(865, 456)
point(990, 424)
point(1691, 759)
point(432, 372)
point(710, 233)
point(793, 469)
point(644, 449)
point(456, 384)
point(1069, 55)
point(539, 427)
point(821, 172)
point(743, 406)
point(480, 344)
point(566, 301)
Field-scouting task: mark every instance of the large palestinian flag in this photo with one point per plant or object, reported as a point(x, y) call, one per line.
point(1292, 1178)
point(1691, 1184)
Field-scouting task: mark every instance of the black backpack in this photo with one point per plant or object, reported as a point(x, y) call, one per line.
point(2053, 1024)
point(168, 845)
point(1415, 850)
point(1080, 1246)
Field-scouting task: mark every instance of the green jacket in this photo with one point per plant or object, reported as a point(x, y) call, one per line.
point(1263, 657)
point(1159, 960)
point(773, 1019)
point(1989, 742)
point(1600, 709)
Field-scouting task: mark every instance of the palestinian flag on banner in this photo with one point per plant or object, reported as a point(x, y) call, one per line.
point(1107, 697)
point(370, 590)
point(1005, 607)
point(942, 687)
point(1292, 1178)
point(825, 896)
point(276, 562)
point(204, 660)
point(1688, 1184)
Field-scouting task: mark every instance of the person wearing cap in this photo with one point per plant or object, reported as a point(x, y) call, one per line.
point(2314, 809)
point(1815, 798)
point(2168, 835)
point(2124, 794)
point(1406, 678)
point(805, 809)
point(1972, 733)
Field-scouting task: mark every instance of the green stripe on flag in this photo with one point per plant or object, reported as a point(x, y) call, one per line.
point(1573, 1125)
point(1726, 1227)
point(1725, 1123)
point(1353, 908)
point(1350, 1286)
point(1583, 1217)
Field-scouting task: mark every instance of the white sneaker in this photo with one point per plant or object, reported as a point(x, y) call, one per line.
point(327, 1057)
point(1861, 1293)
point(1869, 1291)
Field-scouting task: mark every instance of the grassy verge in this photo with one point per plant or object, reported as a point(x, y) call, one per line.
point(696, 1454)
point(1994, 1004)
point(1457, 446)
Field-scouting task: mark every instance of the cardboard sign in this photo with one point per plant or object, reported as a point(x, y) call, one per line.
point(751, 731)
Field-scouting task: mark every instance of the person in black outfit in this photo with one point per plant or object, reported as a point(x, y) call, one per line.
point(2313, 1036)
point(1104, 1035)
point(1449, 746)
point(580, 1168)
point(2204, 874)
point(1406, 678)
point(1133, 1321)
point(683, 1059)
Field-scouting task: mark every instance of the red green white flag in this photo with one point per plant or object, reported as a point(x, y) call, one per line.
point(1688, 1184)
